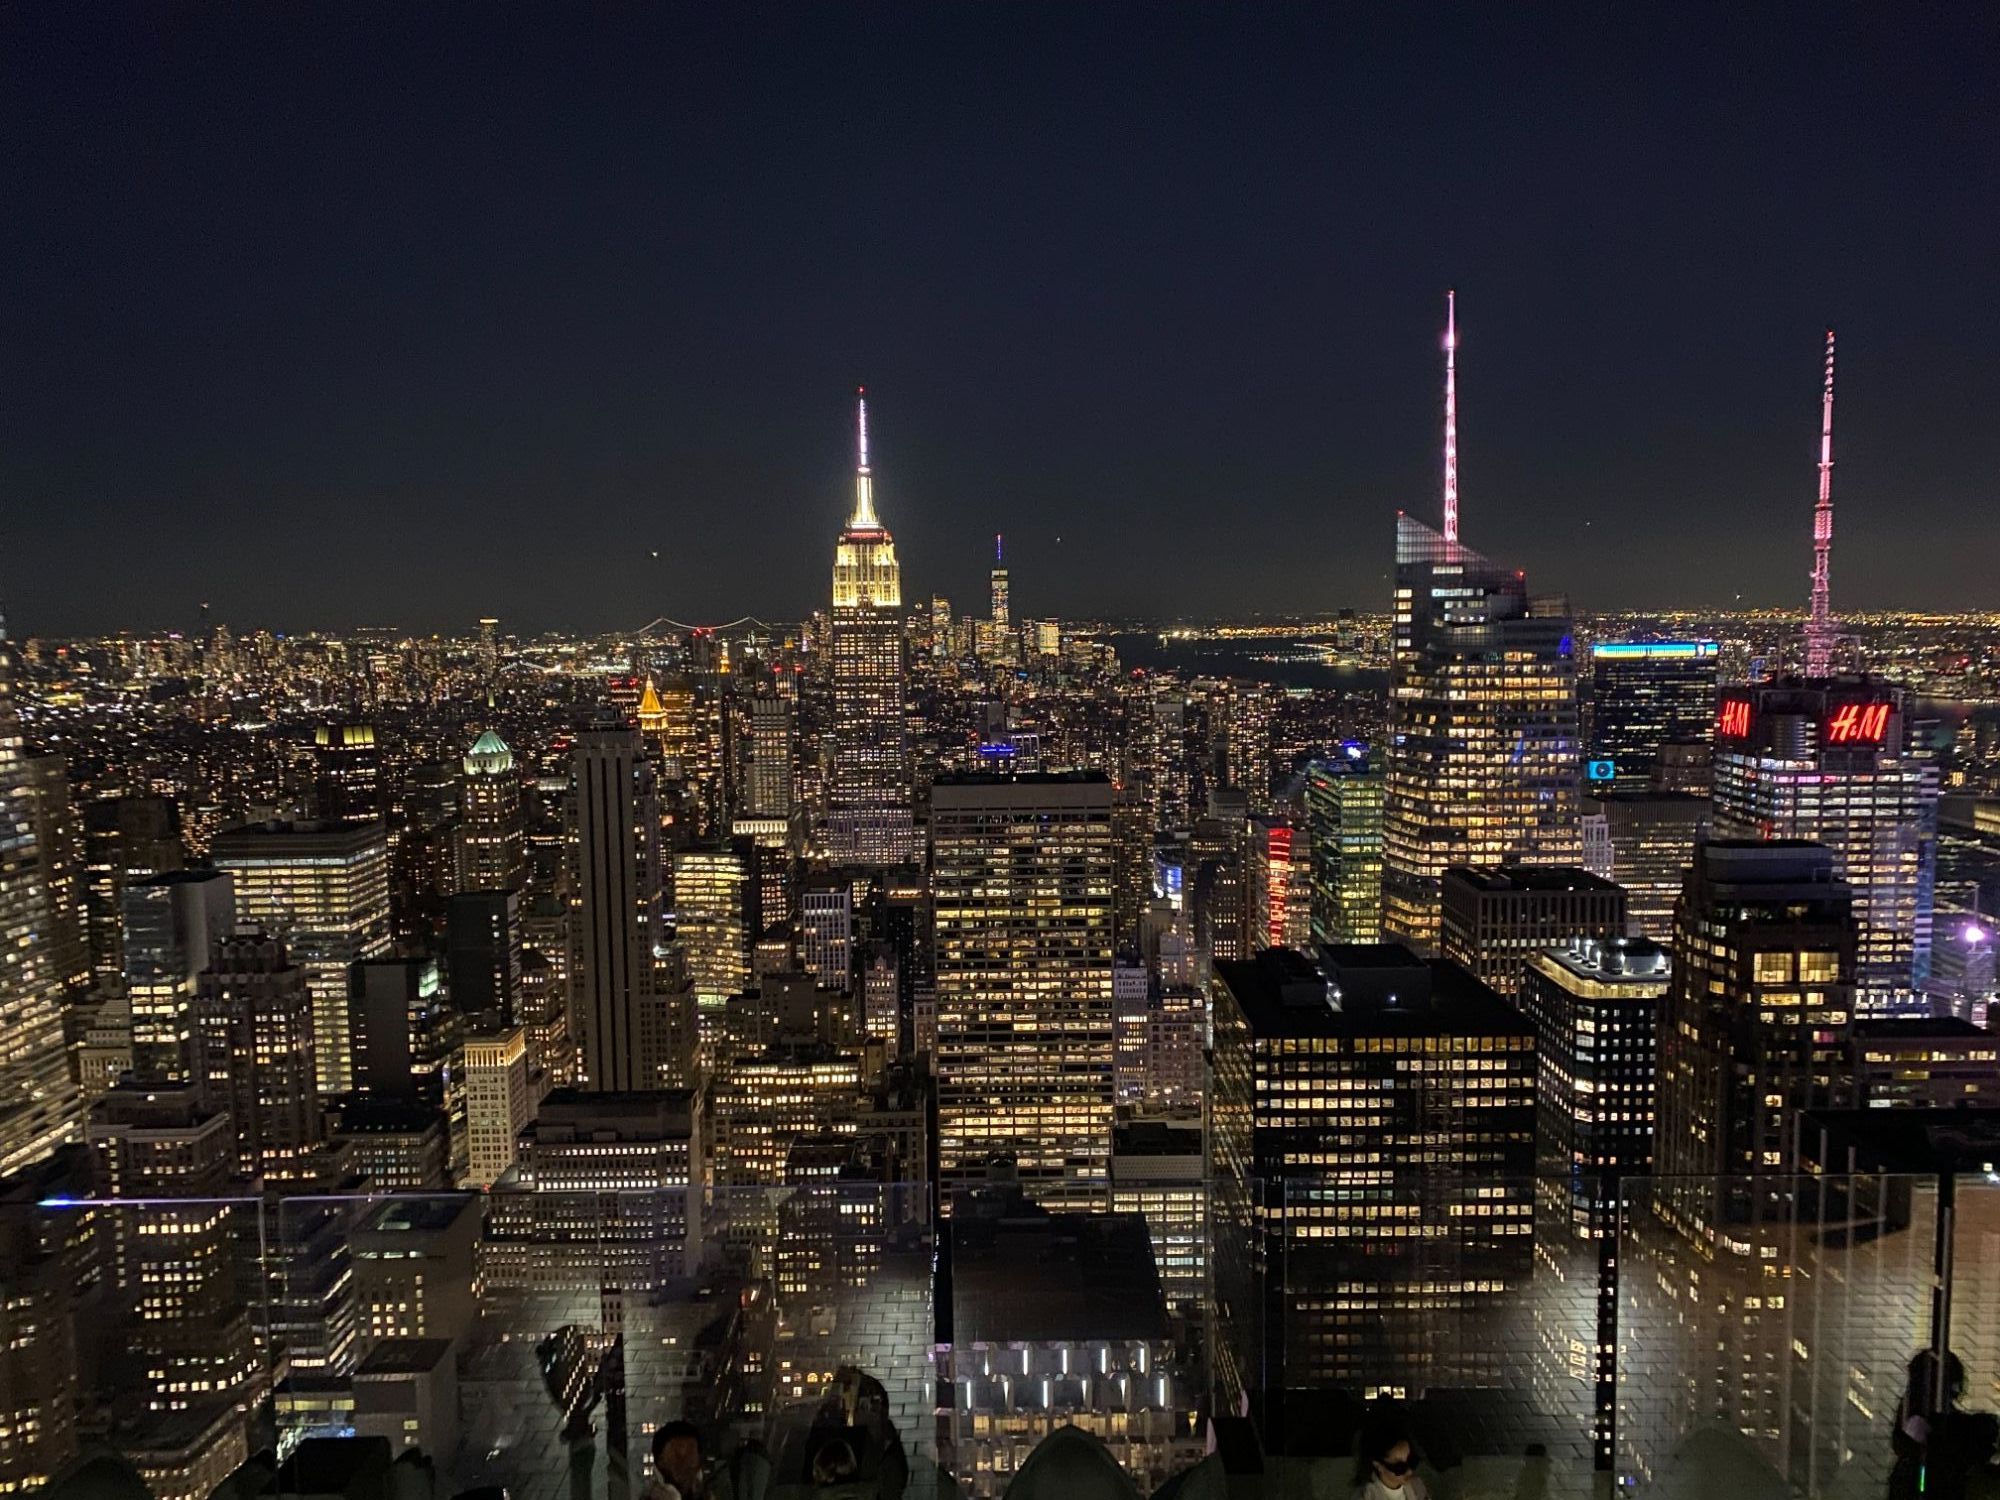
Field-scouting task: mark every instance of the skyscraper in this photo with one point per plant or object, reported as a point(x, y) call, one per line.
point(256, 1030)
point(497, 1103)
point(349, 766)
point(1022, 875)
point(615, 1010)
point(1482, 754)
point(1827, 760)
point(1596, 1013)
point(1652, 838)
point(1644, 694)
point(324, 889)
point(1755, 1025)
point(39, 1106)
point(1344, 826)
point(715, 925)
point(172, 923)
point(1495, 919)
point(492, 835)
point(999, 582)
point(1482, 763)
point(1373, 1206)
point(869, 814)
point(767, 783)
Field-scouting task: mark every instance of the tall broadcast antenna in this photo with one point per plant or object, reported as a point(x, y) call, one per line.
point(1820, 627)
point(1451, 419)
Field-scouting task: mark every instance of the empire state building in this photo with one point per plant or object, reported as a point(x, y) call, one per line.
point(869, 819)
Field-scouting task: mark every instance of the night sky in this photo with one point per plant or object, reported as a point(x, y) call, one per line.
point(334, 314)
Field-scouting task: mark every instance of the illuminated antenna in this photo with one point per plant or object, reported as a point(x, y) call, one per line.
point(998, 556)
point(1820, 627)
point(863, 518)
point(1451, 418)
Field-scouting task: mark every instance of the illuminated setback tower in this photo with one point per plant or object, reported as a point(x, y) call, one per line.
point(869, 815)
point(1482, 756)
point(1825, 760)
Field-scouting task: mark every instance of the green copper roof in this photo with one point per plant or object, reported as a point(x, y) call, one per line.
point(489, 753)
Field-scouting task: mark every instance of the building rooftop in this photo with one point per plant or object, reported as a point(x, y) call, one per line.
point(1035, 1277)
point(1608, 960)
point(404, 1357)
point(425, 1215)
point(1528, 879)
point(1365, 989)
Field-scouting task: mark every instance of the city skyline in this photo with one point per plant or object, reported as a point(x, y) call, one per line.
point(1103, 342)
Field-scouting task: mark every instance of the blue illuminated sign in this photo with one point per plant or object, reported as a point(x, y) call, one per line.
point(1601, 770)
point(1655, 650)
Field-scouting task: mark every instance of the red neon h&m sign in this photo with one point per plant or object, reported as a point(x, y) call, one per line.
point(1732, 719)
point(1858, 724)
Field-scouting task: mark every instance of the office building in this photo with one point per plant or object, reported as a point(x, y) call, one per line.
point(393, 1145)
point(59, 835)
point(182, 1294)
point(619, 1173)
point(1829, 761)
point(826, 931)
point(406, 1393)
point(1158, 1174)
point(1279, 861)
point(348, 773)
point(403, 1033)
point(616, 1014)
point(414, 1267)
point(492, 853)
point(124, 839)
point(498, 1104)
point(767, 780)
point(46, 1259)
point(323, 888)
point(715, 924)
point(172, 923)
point(1644, 694)
point(1923, 1062)
point(766, 1102)
point(1482, 757)
point(1756, 1023)
point(1373, 1135)
point(869, 814)
point(1343, 799)
point(40, 1108)
point(1652, 837)
point(1022, 885)
point(482, 949)
point(255, 1040)
point(1494, 920)
point(1595, 1007)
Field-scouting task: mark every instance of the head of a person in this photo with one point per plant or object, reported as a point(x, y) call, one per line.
point(835, 1463)
point(1924, 1379)
point(677, 1455)
point(1387, 1457)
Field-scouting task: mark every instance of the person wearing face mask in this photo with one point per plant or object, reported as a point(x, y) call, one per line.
point(1386, 1466)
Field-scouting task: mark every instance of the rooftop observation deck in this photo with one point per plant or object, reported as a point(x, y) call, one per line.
point(1643, 1335)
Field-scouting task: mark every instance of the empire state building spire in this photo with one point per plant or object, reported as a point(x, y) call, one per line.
point(864, 517)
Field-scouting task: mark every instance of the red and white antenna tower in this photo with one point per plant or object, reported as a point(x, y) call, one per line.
point(1820, 627)
point(1451, 419)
